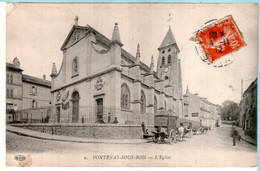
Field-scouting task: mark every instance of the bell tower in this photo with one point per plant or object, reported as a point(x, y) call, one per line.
point(169, 68)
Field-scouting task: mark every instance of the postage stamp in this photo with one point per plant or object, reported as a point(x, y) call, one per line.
point(219, 38)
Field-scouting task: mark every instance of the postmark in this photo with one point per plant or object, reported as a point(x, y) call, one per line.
point(217, 40)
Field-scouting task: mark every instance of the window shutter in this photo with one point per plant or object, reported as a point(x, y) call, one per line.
point(31, 89)
point(36, 104)
point(7, 78)
point(7, 92)
point(35, 90)
point(11, 93)
point(11, 78)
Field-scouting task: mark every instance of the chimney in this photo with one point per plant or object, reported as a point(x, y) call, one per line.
point(44, 77)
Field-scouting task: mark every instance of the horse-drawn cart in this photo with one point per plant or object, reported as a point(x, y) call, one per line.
point(165, 128)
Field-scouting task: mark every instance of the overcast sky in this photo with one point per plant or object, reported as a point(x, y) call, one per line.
point(35, 33)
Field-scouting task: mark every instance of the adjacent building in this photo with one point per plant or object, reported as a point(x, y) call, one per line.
point(25, 94)
point(248, 110)
point(101, 82)
point(199, 109)
point(14, 89)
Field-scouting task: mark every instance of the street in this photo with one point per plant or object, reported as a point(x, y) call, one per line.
point(212, 149)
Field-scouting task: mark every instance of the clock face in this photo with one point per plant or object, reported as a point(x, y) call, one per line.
point(166, 69)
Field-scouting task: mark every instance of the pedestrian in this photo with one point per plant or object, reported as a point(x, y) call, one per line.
point(234, 135)
point(115, 121)
point(109, 117)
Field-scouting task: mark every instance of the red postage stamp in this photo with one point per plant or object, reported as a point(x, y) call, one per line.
point(219, 38)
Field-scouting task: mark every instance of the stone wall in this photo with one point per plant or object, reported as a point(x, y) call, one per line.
point(99, 131)
point(248, 110)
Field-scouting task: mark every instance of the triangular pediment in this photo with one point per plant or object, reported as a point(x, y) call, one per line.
point(76, 33)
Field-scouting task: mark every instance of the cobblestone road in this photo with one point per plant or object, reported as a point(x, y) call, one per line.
point(214, 148)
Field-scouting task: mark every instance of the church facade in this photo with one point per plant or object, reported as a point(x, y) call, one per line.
point(100, 82)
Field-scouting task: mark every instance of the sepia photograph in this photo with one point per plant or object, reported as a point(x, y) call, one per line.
point(131, 85)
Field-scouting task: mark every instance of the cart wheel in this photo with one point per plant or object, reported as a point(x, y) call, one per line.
point(155, 139)
point(171, 136)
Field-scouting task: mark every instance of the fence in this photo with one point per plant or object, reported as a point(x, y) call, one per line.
point(39, 115)
point(81, 115)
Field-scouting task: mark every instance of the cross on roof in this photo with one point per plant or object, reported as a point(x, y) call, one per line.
point(76, 20)
point(170, 18)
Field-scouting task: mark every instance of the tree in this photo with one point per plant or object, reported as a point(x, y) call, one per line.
point(230, 111)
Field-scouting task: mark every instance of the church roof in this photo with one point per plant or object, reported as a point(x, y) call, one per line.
point(168, 39)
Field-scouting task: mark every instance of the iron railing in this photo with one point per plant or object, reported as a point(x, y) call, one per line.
point(84, 115)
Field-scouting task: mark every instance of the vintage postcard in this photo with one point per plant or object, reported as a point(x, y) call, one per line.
point(131, 85)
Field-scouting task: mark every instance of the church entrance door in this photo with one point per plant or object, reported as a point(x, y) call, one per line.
point(58, 114)
point(100, 111)
point(75, 107)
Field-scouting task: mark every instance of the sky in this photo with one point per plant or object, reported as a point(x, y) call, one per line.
point(36, 31)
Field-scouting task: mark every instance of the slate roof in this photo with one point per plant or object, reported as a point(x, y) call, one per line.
point(35, 80)
point(169, 39)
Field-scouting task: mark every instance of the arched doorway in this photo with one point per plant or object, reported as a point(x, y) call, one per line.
point(75, 107)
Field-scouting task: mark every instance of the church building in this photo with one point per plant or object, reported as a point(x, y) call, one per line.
point(100, 82)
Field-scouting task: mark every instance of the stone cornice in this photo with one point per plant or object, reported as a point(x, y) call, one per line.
point(88, 77)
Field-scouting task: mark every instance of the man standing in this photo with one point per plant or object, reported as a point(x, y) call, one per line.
point(234, 135)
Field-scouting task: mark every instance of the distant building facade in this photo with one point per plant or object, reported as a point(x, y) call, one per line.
point(24, 93)
point(248, 110)
point(14, 89)
point(199, 109)
point(101, 82)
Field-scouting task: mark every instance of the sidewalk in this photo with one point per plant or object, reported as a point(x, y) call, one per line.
point(40, 135)
point(246, 138)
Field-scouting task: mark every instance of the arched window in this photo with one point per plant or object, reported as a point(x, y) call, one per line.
point(169, 59)
point(155, 104)
point(125, 97)
point(169, 50)
point(75, 66)
point(163, 60)
point(143, 102)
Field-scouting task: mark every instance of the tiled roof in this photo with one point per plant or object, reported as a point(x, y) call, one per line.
point(251, 86)
point(35, 80)
point(9, 65)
